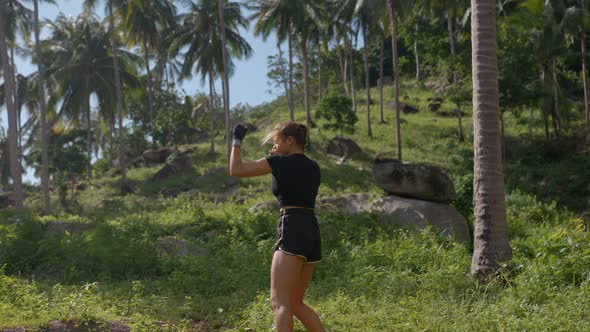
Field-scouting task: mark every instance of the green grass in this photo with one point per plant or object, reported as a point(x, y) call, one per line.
point(373, 277)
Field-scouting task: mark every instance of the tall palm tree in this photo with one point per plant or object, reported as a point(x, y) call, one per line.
point(392, 10)
point(576, 20)
point(278, 16)
point(304, 23)
point(199, 31)
point(43, 108)
point(144, 22)
point(15, 168)
point(89, 5)
point(369, 14)
point(83, 66)
point(491, 245)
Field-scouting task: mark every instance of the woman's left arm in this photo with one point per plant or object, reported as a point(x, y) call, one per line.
point(241, 169)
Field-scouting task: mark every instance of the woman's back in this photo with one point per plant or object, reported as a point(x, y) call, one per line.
point(295, 179)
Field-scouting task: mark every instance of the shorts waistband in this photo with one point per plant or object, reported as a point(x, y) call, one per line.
point(301, 210)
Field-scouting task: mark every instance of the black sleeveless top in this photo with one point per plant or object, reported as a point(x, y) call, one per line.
point(295, 179)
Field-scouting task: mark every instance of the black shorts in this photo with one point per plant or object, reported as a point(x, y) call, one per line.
point(299, 234)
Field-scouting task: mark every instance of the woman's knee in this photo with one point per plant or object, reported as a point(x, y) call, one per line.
point(279, 304)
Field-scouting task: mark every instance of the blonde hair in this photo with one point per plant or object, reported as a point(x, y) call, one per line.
point(285, 129)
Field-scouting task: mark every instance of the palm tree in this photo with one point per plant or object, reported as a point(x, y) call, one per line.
point(144, 22)
point(304, 23)
point(392, 9)
point(278, 16)
point(491, 245)
point(88, 5)
point(43, 108)
point(83, 66)
point(576, 19)
point(15, 168)
point(365, 12)
point(199, 31)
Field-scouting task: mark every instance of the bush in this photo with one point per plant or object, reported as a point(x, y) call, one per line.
point(337, 111)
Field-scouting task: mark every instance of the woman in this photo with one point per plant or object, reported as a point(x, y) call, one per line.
point(295, 183)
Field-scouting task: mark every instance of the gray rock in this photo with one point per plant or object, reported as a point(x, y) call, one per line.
point(179, 165)
point(408, 109)
point(343, 147)
point(419, 181)
point(157, 156)
point(251, 127)
point(433, 107)
point(405, 212)
point(349, 204)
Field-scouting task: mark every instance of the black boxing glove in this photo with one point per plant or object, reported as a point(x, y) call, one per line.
point(239, 131)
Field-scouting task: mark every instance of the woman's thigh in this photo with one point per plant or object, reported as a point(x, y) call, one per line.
point(285, 274)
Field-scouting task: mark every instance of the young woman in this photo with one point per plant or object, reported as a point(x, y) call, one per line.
point(295, 182)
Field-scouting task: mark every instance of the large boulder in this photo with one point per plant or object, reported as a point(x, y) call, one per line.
point(157, 156)
point(433, 107)
point(408, 109)
point(343, 147)
point(177, 166)
point(404, 212)
point(419, 181)
point(250, 126)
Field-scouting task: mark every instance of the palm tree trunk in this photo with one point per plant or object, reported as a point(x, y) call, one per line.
point(89, 130)
point(43, 108)
point(546, 101)
point(290, 42)
point(555, 113)
point(416, 55)
point(342, 58)
point(111, 141)
point(451, 41)
point(119, 91)
point(15, 168)
point(19, 108)
point(306, 87)
point(367, 83)
point(225, 78)
point(491, 245)
point(150, 89)
point(284, 77)
point(587, 112)
point(319, 72)
point(352, 89)
point(211, 111)
point(381, 62)
point(393, 20)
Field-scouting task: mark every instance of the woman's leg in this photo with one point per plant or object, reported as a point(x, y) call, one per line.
point(284, 276)
point(305, 314)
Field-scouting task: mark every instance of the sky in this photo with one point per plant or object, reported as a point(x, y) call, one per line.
point(247, 85)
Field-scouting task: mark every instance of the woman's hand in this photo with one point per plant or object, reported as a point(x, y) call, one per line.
point(273, 150)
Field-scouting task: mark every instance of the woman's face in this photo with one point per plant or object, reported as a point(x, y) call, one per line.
point(282, 146)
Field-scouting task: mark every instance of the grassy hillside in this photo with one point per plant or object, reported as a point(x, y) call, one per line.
point(200, 261)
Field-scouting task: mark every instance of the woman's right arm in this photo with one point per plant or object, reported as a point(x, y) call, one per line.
point(240, 169)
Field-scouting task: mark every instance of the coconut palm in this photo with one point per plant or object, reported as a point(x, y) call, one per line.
point(43, 107)
point(278, 16)
point(9, 86)
point(305, 21)
point(392, 11)
point(491, 245)
point(576, 20)
point(144, 22)
point(110, 12)
point(83, 66)
point(200, 33)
